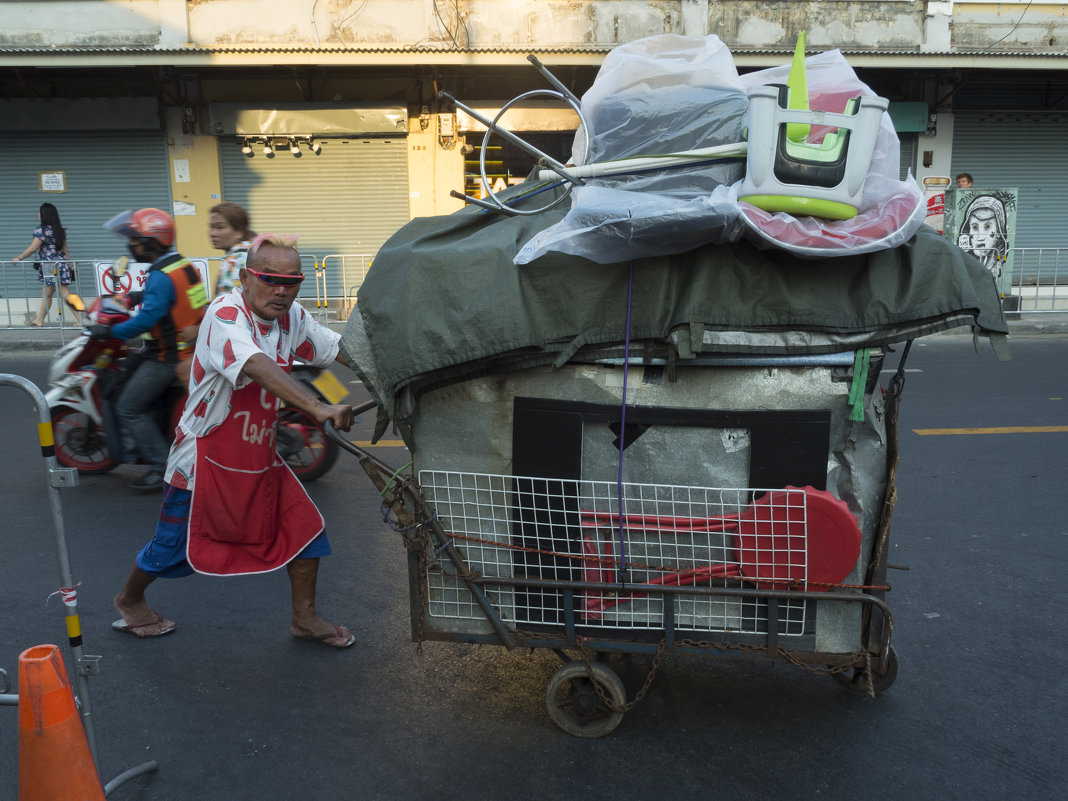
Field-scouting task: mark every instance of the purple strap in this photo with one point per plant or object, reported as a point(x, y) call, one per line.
point(622, 432)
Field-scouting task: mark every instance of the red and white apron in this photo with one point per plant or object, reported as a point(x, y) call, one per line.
point(249, 513)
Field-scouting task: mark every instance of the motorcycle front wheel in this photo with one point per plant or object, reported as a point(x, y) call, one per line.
point(304, 446)
point(80, 443)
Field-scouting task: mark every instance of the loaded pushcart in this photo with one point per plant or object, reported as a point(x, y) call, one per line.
point(691, 451)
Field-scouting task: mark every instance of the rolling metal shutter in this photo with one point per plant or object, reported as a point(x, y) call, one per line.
point(908, 155)
point(1023, 150)
point(347, 200)
point(106, 172)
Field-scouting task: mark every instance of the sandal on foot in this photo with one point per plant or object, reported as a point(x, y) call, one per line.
point(337, 634)
point(122, 625)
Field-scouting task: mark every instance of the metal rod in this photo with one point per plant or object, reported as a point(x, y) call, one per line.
point(366, 406)
point(477, 201)
point(533, 59)
point(508, 136)
point(688, 158)
point(126, 775)
point(67, 477)
point(67, 586)
point(443, 540)
point(666, 589)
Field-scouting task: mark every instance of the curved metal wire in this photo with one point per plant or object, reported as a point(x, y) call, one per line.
point(549, 162)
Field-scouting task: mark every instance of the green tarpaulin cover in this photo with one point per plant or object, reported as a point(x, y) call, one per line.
point(443, 301)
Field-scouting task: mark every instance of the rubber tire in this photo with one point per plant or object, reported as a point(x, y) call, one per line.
point(65, 456)
point(856, 680)
point(327, 448)
point(574, 704)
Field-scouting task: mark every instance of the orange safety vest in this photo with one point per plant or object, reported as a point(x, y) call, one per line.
point(191, 299)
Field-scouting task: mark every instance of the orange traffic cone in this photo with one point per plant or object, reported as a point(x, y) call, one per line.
point(54, 757)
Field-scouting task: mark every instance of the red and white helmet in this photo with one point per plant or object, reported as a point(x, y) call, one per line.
point(144, 224)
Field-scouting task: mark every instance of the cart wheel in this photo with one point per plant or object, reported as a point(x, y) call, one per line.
point(574, 704)
point(856, 680)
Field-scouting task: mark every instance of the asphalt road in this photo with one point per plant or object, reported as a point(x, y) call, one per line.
point(233, 708)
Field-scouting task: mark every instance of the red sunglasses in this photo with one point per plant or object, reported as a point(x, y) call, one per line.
point(275, 279)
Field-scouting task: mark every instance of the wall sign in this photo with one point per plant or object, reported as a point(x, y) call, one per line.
point(55, 181)
point(134, 278)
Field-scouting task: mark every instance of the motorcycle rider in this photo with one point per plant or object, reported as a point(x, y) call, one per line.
point(174, 300)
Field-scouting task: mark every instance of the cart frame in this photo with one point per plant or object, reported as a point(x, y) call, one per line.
point(585, 697)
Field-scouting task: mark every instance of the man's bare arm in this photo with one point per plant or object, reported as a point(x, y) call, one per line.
point(262, 369)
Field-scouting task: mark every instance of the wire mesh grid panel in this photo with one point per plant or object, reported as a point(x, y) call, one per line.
point(666, 536)
point(474, 509)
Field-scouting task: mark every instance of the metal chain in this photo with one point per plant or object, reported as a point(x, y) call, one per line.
point(625, 707)
point(789, 656)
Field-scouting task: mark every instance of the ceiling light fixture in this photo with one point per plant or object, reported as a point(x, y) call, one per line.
point(294, 147)
point(314, 146)
point(267, 151)
point(246, 148)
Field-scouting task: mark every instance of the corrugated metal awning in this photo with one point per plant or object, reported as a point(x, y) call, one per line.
point(229, 55)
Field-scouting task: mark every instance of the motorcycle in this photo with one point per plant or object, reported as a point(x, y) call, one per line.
point(86, 376)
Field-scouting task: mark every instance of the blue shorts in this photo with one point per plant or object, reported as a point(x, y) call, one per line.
point(164, 556)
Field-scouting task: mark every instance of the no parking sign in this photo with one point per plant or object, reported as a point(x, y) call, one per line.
point(135, 276)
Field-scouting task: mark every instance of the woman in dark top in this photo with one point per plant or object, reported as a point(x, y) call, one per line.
point(52, 260)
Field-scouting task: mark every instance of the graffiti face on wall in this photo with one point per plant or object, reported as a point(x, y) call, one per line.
point(983, 233)
point(983, 223)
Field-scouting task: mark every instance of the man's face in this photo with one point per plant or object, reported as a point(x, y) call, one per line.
point(264, 299)
point(963, 183)
point(136, 249)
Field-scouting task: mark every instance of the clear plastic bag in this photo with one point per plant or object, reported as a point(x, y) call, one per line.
point(662, 94)
point(667, 94)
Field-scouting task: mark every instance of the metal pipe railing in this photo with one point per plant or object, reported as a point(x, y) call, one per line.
point(84, 664)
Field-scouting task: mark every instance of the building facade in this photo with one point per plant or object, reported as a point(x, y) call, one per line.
point(323, 117)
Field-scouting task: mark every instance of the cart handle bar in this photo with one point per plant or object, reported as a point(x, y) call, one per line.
point(443, 541)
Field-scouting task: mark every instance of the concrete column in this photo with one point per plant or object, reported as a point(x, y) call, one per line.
point(173, 24)
point(433, 172)
point(937, 37)
point(196, 185)
point(940, 145)
point(694, 15)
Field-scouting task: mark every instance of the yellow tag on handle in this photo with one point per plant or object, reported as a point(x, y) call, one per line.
point(332, 389)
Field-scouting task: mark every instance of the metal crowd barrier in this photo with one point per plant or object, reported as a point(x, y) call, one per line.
point(1040, 279)
point(346, 272)
point(20, 291)
point(338, 277)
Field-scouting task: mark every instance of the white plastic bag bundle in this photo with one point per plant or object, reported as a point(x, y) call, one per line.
point(663, 94)
point(667, 94)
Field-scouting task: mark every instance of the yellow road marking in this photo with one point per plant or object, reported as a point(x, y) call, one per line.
point(382, 443)
point(928, 432)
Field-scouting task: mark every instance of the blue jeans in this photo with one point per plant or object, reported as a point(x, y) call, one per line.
point(137, 414)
